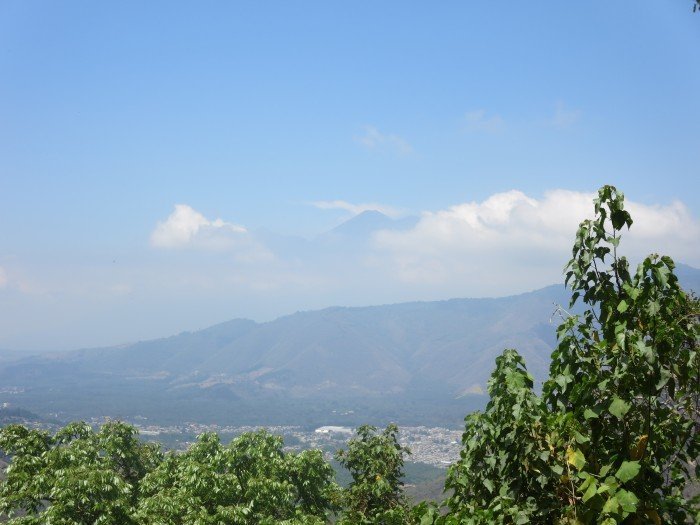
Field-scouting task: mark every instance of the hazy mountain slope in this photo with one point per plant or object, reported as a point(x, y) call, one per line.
point(689, 277)
point(422, 355)
point(446, 345)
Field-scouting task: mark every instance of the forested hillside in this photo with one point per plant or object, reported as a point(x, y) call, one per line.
point(398, 361)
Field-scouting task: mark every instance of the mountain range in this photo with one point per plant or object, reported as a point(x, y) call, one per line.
point(418, 361)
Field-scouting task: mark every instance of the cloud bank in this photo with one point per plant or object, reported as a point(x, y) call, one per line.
point(199, 270)
point(186, 227)
point(511, 239)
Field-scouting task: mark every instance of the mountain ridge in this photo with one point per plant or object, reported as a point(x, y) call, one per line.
point(414, 354)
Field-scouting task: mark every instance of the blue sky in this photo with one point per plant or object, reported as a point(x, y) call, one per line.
point(250, 112)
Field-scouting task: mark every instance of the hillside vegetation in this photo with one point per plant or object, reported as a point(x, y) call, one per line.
point(401, 360)
point(614, 437)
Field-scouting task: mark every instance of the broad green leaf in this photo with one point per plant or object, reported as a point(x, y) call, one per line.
point(611, 506)
point(622, 306)
point(610, 485)
point(619, 408)
point(619, 218)
point(628, 470)
point(628, 501)
point(589, 414)
point(590, 492)
point(580, 438)
point(575, 457)
point(662, 273)
point(620, 334)
point(653, 308)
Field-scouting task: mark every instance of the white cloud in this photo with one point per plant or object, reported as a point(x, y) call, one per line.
point(356, 209)
point(511, 240)
point(186, 227)
point(564, 117)
point(373, 139)
point(478, 120)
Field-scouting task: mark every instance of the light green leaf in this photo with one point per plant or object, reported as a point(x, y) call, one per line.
point(653, 308)
point(628, 470)
point(580, 438)
point(589, 414)
point(618, 408)
point(590, 492)
point(620, 333)
point(628, 501)
point(611, 506)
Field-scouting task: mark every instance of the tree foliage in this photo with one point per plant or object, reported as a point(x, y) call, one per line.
point(615, 436)
point(250, 481)
point(375, 461)
point(80, 476)
point(626, 375)
point(508, 469)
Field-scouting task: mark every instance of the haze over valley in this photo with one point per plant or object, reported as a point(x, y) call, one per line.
point(420, 363)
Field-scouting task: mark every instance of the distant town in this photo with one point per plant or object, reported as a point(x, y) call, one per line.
point(434, 446)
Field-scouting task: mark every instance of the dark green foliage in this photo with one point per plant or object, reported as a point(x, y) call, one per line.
point(626, 373)
point(615, 437)
point(80, 476)
point(375, 461)
point(507, 471)
point(77, 476)
point(250, 481)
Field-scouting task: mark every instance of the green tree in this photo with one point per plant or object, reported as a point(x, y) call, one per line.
point(508, 470)
point(249, 481)
point(616, 436)
point(78, 476)
point(626, 375)
point(375, 494)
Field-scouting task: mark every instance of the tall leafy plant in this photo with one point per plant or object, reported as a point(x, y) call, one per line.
point(375, 460)
point(615, 437)
point(508, 471)
point(626, 374)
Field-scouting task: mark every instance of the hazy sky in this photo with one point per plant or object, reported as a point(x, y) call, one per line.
point(165, 166)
